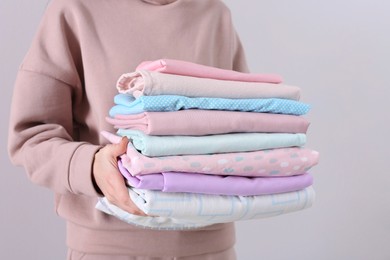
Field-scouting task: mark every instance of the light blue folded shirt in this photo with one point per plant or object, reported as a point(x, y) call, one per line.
point(126, 104)
point(150, 145)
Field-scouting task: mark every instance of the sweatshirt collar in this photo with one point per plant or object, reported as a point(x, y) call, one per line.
point(159, 2)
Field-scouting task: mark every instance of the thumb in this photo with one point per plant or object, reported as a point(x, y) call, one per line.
point(120, 148)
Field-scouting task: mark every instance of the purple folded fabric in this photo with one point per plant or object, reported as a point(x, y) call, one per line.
point(216, 184)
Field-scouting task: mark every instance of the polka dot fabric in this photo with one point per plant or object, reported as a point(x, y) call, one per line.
point(175, 103)
point(269, 105)
point(266, 163)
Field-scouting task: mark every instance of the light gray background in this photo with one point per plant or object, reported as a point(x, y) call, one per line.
point(338, 52)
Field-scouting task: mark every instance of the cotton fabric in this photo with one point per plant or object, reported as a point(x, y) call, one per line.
point(126, 104)
point(208, 122)
point(185, 68)
point(152, 146)
point(150, 83)
point(228, 254)
point(274, 162)
point(214, 184)
point(183, 211)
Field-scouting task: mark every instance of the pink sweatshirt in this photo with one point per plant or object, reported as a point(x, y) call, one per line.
point(65, 88)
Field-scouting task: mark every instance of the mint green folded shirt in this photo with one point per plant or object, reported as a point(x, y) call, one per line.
point(150, 145)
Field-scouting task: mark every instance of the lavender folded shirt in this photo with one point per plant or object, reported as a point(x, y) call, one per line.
point(214, 184)
point(186, 68)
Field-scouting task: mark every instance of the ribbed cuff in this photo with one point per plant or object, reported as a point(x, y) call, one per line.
point(80, 170)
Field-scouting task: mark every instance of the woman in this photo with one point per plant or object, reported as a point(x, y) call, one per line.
point(64, 89)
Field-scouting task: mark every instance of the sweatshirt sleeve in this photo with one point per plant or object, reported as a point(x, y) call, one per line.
point(239, 58)
point(239, 62)
point(47, 91)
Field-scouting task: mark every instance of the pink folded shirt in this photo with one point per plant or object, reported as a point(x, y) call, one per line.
point(151, 83)
point(186, 68)
point(275, 162)
point(205, 122)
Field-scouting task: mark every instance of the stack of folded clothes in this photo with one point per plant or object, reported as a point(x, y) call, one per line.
point(209, 145)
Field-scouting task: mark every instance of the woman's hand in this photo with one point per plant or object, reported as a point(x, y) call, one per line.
point(109, 180)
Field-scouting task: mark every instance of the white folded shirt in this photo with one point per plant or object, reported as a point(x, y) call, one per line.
point(180, 211)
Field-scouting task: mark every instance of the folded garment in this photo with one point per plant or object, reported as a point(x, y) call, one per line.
point(207, 122)
point(216, 184)
point(186, 68)
point(127, 104)
point(275, 162)
point(180, 211)
point(151, 145)
point(150, 83)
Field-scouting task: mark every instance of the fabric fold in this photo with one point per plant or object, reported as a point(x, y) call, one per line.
point(126, 104)
point(180, 211)
point(272, 163)
point(206, 122)
point(150, 83)
point(186, 68)
point(152, 146)
point(214, 184)
point(275, 162)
